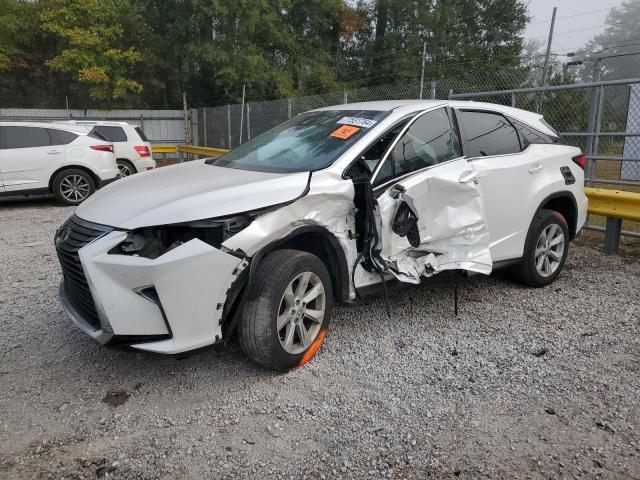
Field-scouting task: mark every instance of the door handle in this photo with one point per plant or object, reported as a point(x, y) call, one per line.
point(54, 152)
point(468, 176)
point(537, 168)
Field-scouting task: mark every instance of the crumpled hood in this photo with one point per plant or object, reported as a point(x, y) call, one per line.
point(188, 191)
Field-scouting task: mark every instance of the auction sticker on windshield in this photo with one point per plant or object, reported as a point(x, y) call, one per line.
point(357, 121)
point(344, 132)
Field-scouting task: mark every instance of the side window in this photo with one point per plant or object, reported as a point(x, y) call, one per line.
point(428, 141)
point(109, 133)
point(25, 137)
point(529, 135)
point(61, 137)
point(486, 133)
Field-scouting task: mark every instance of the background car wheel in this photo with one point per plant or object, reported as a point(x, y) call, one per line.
point(287, 312)
point(125, 167)
point(545, 251)
point(73, 186)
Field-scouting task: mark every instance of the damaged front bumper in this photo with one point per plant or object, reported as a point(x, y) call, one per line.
point(170, 304)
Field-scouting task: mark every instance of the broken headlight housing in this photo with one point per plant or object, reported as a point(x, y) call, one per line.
point(151, 242)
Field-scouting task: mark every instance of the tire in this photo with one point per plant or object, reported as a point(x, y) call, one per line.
point(125, 167)
point(64, 190)
point(530, 272)
point(258, 328)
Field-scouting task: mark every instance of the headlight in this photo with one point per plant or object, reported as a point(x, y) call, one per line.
point(151, 242)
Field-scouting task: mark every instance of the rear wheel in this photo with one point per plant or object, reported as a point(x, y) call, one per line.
point(287, 312)
point(125, 167)
point(545, 251)
point(73, 186)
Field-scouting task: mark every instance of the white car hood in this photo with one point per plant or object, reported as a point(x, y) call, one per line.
point(186, 192)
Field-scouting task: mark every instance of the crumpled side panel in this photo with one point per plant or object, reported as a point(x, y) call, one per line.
point(329, 204)
point(452, 227)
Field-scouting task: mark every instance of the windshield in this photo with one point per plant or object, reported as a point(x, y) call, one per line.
point(310, 141)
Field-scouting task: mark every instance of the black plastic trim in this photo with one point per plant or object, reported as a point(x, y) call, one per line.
point(562, 194)
point(20, 193)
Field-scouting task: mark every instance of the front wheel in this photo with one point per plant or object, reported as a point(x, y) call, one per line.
point(545, 251)
point(287, 311)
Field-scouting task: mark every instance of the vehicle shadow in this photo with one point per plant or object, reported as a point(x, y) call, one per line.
point(29, 201)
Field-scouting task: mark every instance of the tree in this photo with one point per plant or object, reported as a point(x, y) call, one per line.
point(92, 51)
point(620, 37)
point(459, 36)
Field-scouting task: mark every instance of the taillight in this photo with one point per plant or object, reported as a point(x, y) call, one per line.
point(102, 148)
point(580, 160)
point(143, 151)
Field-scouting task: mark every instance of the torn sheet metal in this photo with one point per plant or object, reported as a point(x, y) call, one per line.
point(329, 204)
point(451, 225)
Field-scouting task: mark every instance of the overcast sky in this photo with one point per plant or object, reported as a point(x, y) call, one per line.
point(587, 16)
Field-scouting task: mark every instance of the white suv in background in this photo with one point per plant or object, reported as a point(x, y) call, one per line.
point(132, 148)
point(42, 158)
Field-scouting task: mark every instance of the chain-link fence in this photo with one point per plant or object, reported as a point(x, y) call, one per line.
point(228, 125)
point(602, 118)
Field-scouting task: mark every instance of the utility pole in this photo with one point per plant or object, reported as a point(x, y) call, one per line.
point(241, 114)
point(187, 137)
point(543, 80)
point(424, 56)
point(593, 109)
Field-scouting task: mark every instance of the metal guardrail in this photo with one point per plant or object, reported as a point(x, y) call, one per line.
point(547, 88)
point(201, 151)
point(188, 150)
point(163, 149)
point(615, 205)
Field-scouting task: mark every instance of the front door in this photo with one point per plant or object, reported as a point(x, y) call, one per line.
point(432, 210)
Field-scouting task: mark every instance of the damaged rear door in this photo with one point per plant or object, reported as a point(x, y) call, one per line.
point(432, 210)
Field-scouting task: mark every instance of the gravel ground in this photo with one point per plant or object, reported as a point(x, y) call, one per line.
point(523, 383)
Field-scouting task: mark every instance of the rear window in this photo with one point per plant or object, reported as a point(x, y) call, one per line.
point(529, 135)
point(24, 137)
point(108, 133)
point(61, 137)
point(487, 133)
point(143, 137)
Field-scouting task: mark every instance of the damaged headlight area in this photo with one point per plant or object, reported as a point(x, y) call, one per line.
point(151, 242)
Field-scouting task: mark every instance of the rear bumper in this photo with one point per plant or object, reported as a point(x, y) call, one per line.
point(144, 163)
point(104, 183)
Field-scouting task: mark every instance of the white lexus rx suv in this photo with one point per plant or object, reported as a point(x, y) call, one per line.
point(131, 146)
point(263, 241)
point(44, 158)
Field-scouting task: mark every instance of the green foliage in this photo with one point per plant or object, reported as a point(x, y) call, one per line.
point(617, 44)
point(145, 53)
point(91, 45)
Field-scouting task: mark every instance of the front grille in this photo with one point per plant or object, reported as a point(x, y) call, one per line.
point(71, 237)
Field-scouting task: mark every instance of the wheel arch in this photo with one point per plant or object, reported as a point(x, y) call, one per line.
point(129, 161)
point(96, 179)
point(565, 203)
point(318, 241)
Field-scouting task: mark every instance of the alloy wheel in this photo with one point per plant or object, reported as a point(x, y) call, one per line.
point(125, 170)
point(75, 188)
point(301, 312)
point(549, 250)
